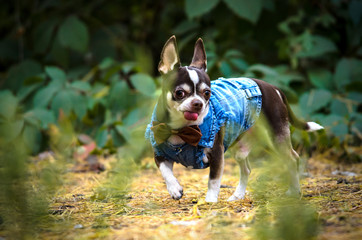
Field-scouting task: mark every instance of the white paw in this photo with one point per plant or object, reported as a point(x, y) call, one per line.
point(211, 197)
point(295, 193)
point(235, 198)
point(175, 190)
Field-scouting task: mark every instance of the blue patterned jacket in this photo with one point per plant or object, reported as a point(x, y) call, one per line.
point(234, 103)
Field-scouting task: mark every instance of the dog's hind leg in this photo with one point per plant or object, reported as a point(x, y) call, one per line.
point(277, 112)
point(291, 157)
point(294, 187)
point(241, 157)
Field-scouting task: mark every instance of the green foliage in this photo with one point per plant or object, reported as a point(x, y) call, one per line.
point(73, 34)
point(24, 193)
point(97, 64)
point(278, 215)
point(250, 10)
point(199, 7)
point(89, 67)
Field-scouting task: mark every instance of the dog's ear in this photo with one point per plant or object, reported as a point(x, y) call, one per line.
point(199, 58)
point(169, 56)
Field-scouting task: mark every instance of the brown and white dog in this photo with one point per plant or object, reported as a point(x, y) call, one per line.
point(185, 102)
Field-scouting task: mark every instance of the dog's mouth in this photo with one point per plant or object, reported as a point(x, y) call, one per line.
point(191, 116)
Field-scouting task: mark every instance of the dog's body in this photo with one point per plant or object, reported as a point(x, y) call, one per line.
point(196, 120)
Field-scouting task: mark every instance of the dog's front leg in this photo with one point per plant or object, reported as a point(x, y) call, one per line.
point(216, 160)
point(173, 187)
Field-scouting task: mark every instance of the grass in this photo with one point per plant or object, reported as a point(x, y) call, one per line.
point(146, 211)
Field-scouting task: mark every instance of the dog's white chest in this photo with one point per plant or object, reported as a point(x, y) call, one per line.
point(175, 140)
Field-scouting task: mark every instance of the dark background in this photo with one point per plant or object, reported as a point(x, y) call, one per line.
point(95, 62)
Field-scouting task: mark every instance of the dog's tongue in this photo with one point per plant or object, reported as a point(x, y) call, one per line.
point(191, 116)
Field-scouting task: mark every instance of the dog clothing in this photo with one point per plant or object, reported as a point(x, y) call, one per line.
point(235, 103)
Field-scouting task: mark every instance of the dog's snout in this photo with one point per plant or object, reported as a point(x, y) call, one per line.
point(196, 105)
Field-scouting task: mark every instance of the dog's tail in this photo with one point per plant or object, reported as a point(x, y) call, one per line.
point(307, 126)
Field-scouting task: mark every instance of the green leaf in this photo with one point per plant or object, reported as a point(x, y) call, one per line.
point(106, 63)
point(196, 8)
point(81, 86)
point(117, 139)
point(320, 46)
point(9, 130)
point(55, 73)
point(45, 116)
point(32, 138)
point(265, 70)
point(314, 100)
point(239, 63)
point(347, 71)
point(133, 117)
point(62, 100)
point(328, 120)
point(9, 104)
point(321, 78)
point(357, 123)
point(355, 96)
point(80, 109)
point(340, 130)
point(73, 33)
point(143, 83)
point(286, 76)
point(120, 97)
point(34, 80)
point(339, 108)
point(19, 73)
point(25, 91)
point(233, 53)
point(225, 69)
point(355, 12)
point(332, 120)
point(124, 132)
point(31, 119)
point(249, 10)
point(43, 96)
point(127, 67)
point(211, 59)
point(101, 137)
point(269, 5)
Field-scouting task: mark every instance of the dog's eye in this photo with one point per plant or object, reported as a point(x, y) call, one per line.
point(207, 94)
point(180, 94)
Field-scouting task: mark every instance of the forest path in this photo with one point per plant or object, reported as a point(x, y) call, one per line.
point(150, 213)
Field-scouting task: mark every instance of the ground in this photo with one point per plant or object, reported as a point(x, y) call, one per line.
point(148, 212)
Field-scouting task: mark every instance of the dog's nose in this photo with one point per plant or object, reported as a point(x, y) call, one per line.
point(196, 104)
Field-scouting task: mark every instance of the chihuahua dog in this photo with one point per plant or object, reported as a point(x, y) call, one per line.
point(196, 120)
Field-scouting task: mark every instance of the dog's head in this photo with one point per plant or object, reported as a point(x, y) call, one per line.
point(185, 90)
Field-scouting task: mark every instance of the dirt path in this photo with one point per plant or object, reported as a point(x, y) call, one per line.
point(149, 213)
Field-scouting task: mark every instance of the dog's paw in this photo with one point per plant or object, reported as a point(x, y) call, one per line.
point(294, 193)
point(175, 190)
point(211, 197)
point(235, 198)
